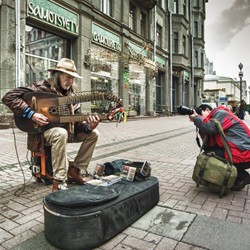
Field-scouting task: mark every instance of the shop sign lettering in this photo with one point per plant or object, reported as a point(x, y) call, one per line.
point(105, 38)
point(54, 15)
point(106, 41)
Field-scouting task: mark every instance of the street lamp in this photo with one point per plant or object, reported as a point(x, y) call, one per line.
point(240, 75)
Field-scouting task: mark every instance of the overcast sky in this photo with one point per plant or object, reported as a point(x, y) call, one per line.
point(227, 37)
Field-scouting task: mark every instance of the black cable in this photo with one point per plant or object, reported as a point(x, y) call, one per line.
point(19, 191)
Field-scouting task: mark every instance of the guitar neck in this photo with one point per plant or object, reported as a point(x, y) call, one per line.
point(73, 118)
point(83, 97)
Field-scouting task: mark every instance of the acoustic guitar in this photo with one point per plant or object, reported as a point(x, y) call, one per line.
point(57, 109)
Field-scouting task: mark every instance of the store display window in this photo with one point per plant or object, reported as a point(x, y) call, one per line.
point(104, 75)
point(42, 51)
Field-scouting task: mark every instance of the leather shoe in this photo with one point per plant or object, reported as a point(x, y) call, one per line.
point(240, 185)
point(74, 176)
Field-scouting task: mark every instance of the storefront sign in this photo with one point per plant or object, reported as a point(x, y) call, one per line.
point(140, 54)
point(161, 63)
point(105, 38)
point(53, 14)
point(137, 52)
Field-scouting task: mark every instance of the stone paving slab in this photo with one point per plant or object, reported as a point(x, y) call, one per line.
point(165, 222)
point(212, 233)
point(36, 242)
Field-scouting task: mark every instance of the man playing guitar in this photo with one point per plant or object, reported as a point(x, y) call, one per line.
point(60, 84)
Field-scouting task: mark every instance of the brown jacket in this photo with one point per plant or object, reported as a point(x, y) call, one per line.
point(13, 99)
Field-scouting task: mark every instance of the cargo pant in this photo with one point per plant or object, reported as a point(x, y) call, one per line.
point(57, 138)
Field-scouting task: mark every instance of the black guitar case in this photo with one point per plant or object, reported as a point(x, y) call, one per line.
point(84, 217)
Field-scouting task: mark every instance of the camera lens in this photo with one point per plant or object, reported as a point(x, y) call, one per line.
point(183, 110)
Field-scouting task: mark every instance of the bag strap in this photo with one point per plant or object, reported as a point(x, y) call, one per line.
point(224, 140)
point(229, 154)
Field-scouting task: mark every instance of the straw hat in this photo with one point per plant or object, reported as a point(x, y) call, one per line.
point(67, 66)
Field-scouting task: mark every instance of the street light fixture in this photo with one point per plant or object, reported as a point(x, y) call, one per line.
point(240, 75)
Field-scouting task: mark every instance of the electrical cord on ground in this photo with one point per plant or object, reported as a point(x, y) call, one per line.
point(19, 191)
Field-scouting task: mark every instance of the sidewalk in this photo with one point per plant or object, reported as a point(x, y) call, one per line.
point(186, 217)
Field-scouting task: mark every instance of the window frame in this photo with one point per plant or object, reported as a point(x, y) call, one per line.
point(143, 24)
point(158, 35)
point(107, 7)
point(176, 43)
point(132, 16)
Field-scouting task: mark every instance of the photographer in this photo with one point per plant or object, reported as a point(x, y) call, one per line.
point(237, 135)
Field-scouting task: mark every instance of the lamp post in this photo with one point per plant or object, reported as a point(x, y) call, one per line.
point(240, 75)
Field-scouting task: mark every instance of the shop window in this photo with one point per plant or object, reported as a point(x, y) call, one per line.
point(134, 97)
point(104, 76)
point(106, 7)
point(137, 89)
point(42, 50)
point(158, 99)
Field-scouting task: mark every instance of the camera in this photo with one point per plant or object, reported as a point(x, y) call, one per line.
point(183, 110)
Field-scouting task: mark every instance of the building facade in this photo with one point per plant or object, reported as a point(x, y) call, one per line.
point(223, 90)
point(149, 53)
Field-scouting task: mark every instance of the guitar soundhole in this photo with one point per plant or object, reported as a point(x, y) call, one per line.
point(53, 110)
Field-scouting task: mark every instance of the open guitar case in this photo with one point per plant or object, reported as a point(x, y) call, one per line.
point(85, 217)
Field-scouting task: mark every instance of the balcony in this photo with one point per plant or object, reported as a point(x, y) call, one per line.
point(148, 4)
point(180, 62)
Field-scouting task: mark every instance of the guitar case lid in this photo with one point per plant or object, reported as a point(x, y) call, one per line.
point(90, 226)
point(83, 196)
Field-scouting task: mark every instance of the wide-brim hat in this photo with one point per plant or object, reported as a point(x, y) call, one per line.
point(67, 66)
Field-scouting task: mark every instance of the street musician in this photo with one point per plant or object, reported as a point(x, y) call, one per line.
point(61, 83)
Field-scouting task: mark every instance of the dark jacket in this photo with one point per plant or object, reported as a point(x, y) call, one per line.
point(14, 100)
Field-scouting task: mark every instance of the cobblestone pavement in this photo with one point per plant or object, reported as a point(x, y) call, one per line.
point(168, 143)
